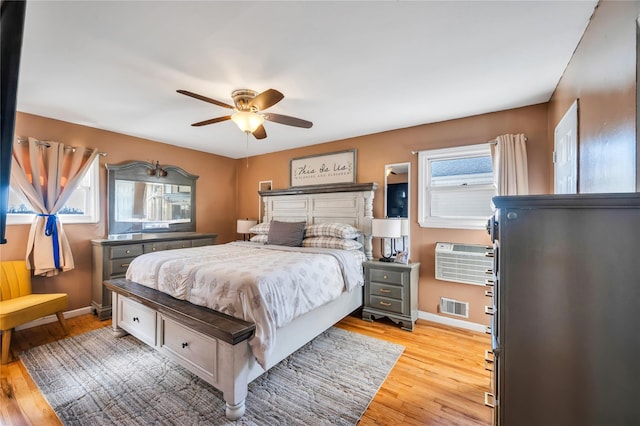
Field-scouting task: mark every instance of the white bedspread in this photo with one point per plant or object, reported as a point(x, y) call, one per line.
point(267, 285)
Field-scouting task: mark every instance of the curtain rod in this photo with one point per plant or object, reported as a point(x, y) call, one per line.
point(492, 142)
point(48, 145)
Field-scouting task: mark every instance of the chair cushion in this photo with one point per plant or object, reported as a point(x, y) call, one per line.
point(21, 310)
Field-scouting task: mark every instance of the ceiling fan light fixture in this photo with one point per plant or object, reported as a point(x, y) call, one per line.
point(247, 121)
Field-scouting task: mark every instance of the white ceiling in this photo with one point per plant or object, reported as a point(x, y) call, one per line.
point(352, 68)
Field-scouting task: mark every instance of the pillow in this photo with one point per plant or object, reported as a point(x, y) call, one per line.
point(260, 229)
point(338, 230)
point(286, 233)
point(260, 238)
point(331, 242)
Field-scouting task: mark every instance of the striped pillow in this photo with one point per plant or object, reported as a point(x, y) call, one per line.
point(259, 238)
point(260, 229)
point(331, 242)
point(338, 230)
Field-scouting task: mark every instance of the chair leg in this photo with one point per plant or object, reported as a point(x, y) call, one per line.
point(6, 345)
point(63, 322)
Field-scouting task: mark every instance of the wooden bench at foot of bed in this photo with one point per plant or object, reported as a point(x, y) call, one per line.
point(210, 344)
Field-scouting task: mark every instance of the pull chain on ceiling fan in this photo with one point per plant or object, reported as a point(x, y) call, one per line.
point(248, 108)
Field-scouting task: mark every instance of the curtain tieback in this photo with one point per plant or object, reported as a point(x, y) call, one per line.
point(51, 230)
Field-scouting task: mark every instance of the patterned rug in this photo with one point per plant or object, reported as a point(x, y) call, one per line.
point(96, 379)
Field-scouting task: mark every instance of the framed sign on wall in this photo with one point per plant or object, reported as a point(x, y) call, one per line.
point(335, 167)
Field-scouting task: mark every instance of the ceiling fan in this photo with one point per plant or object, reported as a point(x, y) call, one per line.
point(249, 107)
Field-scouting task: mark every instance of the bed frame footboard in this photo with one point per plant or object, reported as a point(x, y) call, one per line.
point(212, 345)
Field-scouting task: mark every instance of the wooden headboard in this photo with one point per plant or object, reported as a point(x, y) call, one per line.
point(346, 203)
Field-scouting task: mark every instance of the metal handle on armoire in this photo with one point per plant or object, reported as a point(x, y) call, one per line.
point(488, 395)
point(487, 360)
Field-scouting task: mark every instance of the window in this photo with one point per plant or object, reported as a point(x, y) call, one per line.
point(82, 207)
point(455, 187)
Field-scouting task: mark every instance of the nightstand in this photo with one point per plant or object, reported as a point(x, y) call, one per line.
point(391, 290)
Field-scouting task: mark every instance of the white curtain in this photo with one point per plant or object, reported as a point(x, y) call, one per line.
point(510, 172)
point(47, 174)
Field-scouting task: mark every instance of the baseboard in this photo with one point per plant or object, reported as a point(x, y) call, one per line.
point(52, 318)
point(453, 322)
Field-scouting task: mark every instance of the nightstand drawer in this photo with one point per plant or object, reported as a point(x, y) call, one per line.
point(119, 266)
point(126, 251)
point(391, 305)
point(203, 242)
point(392, 291)
point(386, 276)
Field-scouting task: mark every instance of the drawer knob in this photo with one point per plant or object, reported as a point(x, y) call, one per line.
point(153, 249)
point(136, 319)
point(385, 303)
point(384, 290)
point(184, 345)
point(385, 277)
point(124, 265)
point(128, 251)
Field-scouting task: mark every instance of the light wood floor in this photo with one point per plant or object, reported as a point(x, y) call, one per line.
point(439, 379)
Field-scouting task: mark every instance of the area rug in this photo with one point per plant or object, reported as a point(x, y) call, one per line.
point(97, 379)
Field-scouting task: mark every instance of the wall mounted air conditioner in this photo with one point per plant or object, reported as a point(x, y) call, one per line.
point(463, 263)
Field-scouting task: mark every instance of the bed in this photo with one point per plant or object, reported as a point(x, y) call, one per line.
point(202, 332)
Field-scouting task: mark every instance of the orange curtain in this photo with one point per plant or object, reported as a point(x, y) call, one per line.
point(47, 173)
point(510, 170)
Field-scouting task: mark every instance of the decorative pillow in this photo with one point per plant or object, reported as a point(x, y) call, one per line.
point(260, 229)
point(338, 230)
point(286, 233)
point(260, 238)
point(331, 242)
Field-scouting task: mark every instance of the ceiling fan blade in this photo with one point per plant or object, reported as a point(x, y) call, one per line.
point(289, 121)
point(204, 98)
point(211, 121)
point(266, 99)
point(260, 133)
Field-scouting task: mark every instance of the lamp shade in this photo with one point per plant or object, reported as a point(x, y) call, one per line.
point(247, 121)
point(244, 225)
point(386, 228)
point(404, 225)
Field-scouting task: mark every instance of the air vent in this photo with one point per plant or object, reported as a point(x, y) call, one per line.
point(454, 307)
point(463, 263)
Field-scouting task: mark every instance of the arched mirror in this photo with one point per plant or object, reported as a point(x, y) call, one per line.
point(396, 198)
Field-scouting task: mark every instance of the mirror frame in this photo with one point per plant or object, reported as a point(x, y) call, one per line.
point(386, 175)
point(138, 171)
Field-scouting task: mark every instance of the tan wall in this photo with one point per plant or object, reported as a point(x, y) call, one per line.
point(602, 76)
point(374, 151)
point(215, 195)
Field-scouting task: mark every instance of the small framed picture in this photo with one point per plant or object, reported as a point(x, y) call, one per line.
point(402, 257)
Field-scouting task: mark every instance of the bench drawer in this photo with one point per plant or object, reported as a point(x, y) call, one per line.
point(192, 348)
point(137, 319)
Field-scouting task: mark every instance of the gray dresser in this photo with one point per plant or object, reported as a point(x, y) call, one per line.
point(111, 258)
point(564, 302)
point(391, 290)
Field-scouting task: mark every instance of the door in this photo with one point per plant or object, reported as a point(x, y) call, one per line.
point(565, 153)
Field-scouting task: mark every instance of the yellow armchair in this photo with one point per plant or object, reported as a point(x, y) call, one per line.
point(19, 306)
